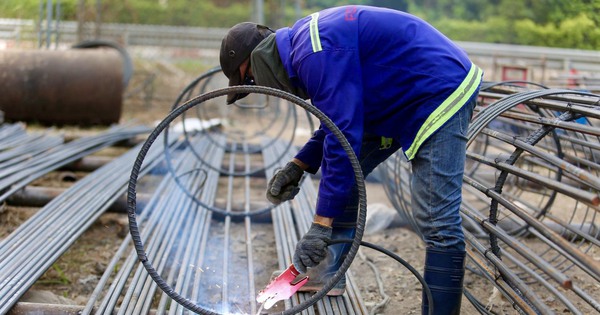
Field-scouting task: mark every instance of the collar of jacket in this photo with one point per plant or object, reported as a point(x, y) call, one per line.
point(268, 70)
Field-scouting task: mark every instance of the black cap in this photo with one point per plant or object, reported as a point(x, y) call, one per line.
point(236, 47)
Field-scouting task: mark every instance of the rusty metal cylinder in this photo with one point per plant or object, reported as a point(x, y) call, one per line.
point(68, 87)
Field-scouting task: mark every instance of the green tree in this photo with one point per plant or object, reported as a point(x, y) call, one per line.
point(556, 23)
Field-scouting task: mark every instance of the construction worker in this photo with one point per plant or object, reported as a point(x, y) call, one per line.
point(389, 81)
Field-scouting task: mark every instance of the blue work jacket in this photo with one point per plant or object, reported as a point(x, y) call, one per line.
point(372, 70)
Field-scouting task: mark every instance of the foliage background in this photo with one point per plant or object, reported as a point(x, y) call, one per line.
point(552, 23)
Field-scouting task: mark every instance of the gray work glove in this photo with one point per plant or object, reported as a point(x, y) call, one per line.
point(312, 248)
point(284, 184)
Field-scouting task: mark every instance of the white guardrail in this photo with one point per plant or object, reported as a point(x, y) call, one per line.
point(514, 62)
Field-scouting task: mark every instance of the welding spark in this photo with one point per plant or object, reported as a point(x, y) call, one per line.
point(239, 308)
point(260, 309)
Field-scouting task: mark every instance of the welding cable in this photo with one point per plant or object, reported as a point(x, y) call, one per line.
point(482, 309)
point(396, 258)
point(326, 121)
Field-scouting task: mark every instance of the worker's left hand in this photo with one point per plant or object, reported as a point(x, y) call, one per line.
point(312, 248)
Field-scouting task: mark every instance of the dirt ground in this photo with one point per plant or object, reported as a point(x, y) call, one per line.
point(73, 277)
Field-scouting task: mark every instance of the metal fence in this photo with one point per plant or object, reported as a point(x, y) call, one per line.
point(556, 67)
point(127, 34)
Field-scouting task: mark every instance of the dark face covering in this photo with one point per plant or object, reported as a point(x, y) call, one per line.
point(268, 69)
point(248, 80)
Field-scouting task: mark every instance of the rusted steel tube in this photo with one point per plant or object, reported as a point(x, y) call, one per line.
point(79, 87)
point(32, 196)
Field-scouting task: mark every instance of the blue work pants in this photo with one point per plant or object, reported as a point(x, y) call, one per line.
point(436, 182)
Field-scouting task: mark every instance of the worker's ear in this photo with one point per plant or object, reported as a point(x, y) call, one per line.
point(249, 68)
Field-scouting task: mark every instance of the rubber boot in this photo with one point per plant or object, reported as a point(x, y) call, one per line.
point(324, 271)
point(444, 273)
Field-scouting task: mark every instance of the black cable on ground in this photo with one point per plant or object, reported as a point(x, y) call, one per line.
point(398, 259)
point(478, 306)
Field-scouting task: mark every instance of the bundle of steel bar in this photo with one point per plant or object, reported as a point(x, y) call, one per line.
point(36, 244)
point(17, 145)
point(31, 167)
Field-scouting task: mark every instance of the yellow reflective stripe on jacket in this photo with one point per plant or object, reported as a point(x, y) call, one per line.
point(446, 110)
point(315, 40)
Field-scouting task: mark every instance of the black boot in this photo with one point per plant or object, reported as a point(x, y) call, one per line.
point(444, 273)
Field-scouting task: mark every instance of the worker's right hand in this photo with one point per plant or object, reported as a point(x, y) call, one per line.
point(312, 248)
point(284, 184)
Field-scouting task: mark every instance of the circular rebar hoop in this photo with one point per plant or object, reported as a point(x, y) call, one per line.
point(204, 79)
point(187, 92)
point(515, 83)
point(184, 96)
point(131, 193)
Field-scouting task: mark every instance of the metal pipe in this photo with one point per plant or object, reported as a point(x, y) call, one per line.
point(80, 87)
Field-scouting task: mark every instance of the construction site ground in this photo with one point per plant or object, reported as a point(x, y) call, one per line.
point(74, 275)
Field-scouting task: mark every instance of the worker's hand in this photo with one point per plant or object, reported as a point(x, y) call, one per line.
point(312, 248)
point(284, 184)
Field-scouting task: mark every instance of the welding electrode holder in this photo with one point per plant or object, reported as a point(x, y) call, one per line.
point(163, 125)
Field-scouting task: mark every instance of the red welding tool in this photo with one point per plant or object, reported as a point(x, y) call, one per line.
point(282, 287)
